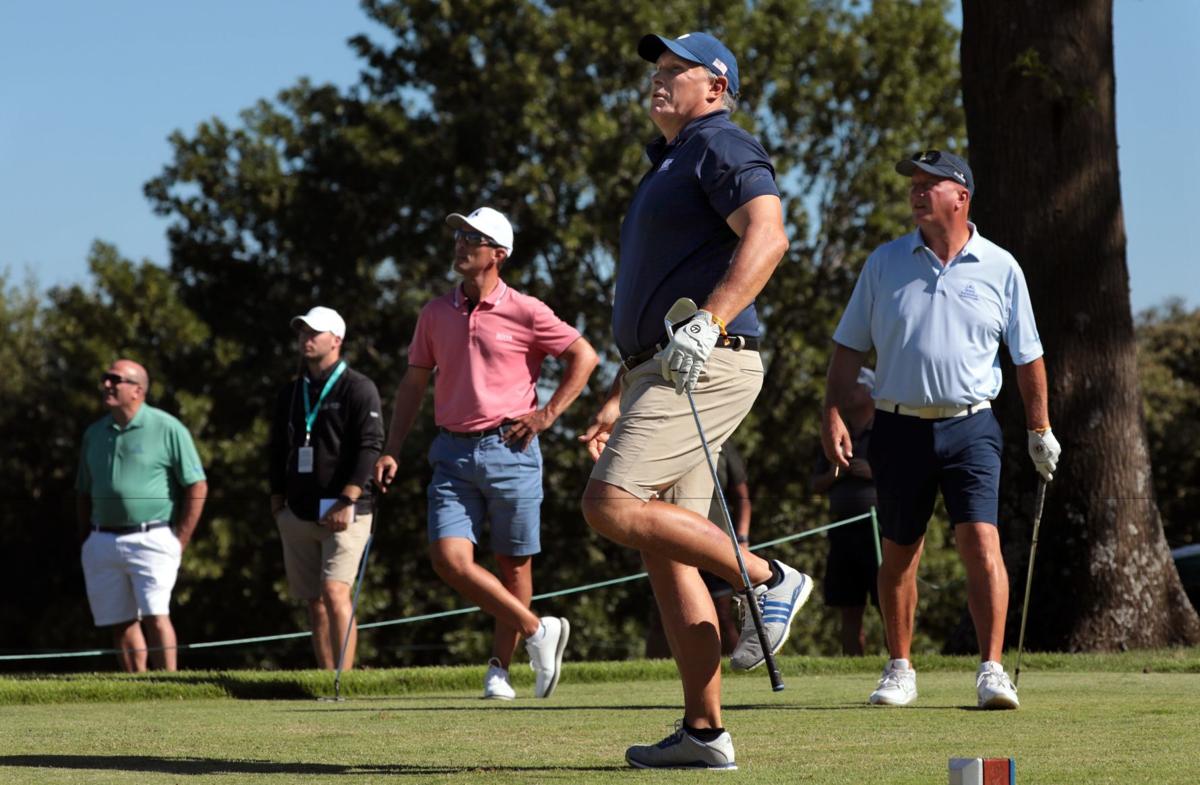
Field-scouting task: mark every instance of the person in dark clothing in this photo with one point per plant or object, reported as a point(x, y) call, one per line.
point(851, 567)
point(325, 436)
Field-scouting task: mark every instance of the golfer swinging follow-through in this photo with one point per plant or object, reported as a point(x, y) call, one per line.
point(706, 223)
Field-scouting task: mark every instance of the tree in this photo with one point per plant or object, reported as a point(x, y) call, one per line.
point(1038, 90)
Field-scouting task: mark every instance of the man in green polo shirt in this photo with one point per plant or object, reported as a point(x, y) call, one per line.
point(140, 492)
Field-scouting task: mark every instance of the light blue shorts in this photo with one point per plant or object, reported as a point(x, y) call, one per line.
point(484, 479)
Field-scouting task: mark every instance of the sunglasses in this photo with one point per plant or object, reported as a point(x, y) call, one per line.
point(927, 156)
point(114, 379)
point(474, 238)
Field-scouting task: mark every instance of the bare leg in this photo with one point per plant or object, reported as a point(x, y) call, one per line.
point(987, 584)
point(854, 637)
point(454, 561)
point(127, 638)
point(658, 528)
point(336, 597)
point(160, 634)
point(516, 575)
point(322, 641)
point(898, 594)
point(690, 622)
point(726, 623)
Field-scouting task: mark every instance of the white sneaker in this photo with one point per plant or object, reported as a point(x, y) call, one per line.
point(994, 688)
point(681, 750)
point(897, 686)
point(495, 684)
point(545, 656)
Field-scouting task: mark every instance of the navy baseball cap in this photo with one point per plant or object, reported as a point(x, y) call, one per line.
point(700, 48)
point(946, 165)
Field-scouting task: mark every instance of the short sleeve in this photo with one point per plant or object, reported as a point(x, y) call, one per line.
point(550, 334)
point(1021, 333)
point(185, 460)
point(735, 169)
point(854, 328)
point(420, 350)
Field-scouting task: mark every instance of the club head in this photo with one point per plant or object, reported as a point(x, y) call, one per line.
point(684, 308)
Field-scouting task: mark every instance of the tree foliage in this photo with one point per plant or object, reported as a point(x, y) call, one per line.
point(1169, 369)
point(338, 197)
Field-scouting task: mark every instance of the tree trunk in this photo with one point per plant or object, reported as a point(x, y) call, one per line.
point(1038, 90)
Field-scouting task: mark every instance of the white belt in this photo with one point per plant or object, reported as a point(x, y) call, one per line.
point(932, 412)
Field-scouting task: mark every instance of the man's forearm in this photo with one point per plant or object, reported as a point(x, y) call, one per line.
point(1031, 382)
point(189, 510)
point(404, 414)
point(763, 244)
point(843, 373)
point(579, 361)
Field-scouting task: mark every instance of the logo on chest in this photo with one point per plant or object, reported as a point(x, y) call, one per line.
point(968, 293)
point(665, 165)
point(504, 337)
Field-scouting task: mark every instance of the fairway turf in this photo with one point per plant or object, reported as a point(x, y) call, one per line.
point(1086, 727)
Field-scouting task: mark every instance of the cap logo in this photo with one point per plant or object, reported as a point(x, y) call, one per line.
point(719, 65)
point(962, 178)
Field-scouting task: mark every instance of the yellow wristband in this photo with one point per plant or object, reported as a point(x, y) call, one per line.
point(717, 320)
point(1040, 431)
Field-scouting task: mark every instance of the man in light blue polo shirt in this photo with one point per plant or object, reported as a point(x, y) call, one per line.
point(140, 492)
point(935, 305)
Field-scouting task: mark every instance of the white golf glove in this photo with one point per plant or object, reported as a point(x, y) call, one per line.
point(684, 357)
point(1044, 450)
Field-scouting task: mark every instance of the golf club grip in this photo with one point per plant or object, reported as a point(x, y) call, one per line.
point(768, 656)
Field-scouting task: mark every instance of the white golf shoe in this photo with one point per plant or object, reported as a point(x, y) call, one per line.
point(994, 688)
point(496, 685)
point(778, 607)
point(897, 686)
point(682, 750)
point(545, 655)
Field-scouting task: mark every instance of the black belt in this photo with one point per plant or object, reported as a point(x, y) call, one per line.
point(136, 527)
point(735, 342)
point(498, 430)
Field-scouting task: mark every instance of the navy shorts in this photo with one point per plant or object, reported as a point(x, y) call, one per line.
point(911, 459)
point(484, 479)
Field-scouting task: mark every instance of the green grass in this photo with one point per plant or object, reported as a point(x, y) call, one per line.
point(1090, 719)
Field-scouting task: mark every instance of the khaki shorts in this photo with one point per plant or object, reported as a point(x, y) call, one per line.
point(312, 554)
point(654, 450)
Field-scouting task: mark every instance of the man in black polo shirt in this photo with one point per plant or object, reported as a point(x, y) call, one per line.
point(325, 436)
point(706, 223)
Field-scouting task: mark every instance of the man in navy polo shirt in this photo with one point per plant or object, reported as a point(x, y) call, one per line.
point(706, 223)
point(935, 305)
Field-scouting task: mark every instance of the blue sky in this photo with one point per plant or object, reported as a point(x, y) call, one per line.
point(90, 92)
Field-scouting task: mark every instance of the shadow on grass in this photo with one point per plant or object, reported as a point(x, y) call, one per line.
point(199, 766)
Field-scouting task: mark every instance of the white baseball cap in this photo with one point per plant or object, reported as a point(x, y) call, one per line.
point(323, 320)
point(487, 221)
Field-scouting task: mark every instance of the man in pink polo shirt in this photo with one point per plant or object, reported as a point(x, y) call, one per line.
point(487, 343)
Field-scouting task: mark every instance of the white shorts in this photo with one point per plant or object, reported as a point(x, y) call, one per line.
point(129, 576)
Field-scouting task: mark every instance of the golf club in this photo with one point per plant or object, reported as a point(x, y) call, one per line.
point(1037, 522)
point(362, 571)
point(685, 308)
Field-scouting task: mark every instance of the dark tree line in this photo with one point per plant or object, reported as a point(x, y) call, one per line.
point(338, 197)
